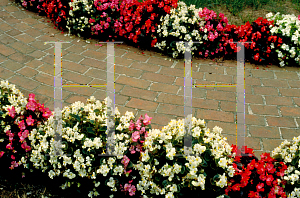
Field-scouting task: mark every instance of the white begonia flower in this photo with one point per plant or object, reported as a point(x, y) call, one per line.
point(103, 170)
point(171, 153)
point(145, 156)
point(200, 149)
point(111, 182)
point(222, 182)
point(217, 130)
point(76, 165)
point(223, 162)
point(120, 128)
point(293, 149)
point(51, 174)
point(288, 158)
point(97, 184)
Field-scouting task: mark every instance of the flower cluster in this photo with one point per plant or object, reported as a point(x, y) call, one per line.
point(104, 21)
point(256, 178)
point(191, 24)
point(83, 137)
point(58, 12)
point(163, 173)
point(181, 23)
point(287, 27)
point(139, 20)
point(288, 152)
point(93, 18)
point(33, 5)
point(261, 50)
point(18, 118)
point(214, 34)
point(138, 132)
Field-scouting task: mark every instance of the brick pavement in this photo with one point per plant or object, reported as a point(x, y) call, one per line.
point(148, 83)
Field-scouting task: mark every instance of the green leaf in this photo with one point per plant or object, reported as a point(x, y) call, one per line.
point(101, 160)
point(185, 185)
point(175, 142)
point(204, 163)
point(207, 155)
point(216, 177)
point(165, 183)
point(71, 150)
point(1, 113)
point(182, 169)
point(130, 165)
point(97, 111)
point(157, 178)
point(75, 116)
point(149, 126)
point(90, 130)
point(295, 161)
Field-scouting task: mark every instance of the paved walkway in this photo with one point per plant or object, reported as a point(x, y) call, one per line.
point(148, 83)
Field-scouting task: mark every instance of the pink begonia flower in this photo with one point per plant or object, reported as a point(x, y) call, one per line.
point(299, 17)
point(12, 112)
point(138, 125)
point(20, 134)
point(221, 15)
point(125, 160)
point(130, 188)
point(31, 106)
point(1, 153)
point(106, 25)
point(21, 125)
point(141, 117)
point(30, 121)
point(11, 136)
point(24, 135)
point(31, 97)
point(138, 148)
point(147, 120)
point(12, 157)
point(13, 164)
point(9, 147)
point(25, 147)
point(135, 136)
point(91, 20)
point(131, 149)
point(103, 14)
point(131, 126)
point(47, 113)
point(143, 130)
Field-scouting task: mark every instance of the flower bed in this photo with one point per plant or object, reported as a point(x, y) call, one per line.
point(145, 162)
point(157, 25)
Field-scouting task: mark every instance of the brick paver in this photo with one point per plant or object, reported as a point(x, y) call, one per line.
point(149, 82)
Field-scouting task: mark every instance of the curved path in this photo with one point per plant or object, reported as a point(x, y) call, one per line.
point(147, 82)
